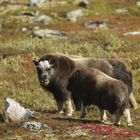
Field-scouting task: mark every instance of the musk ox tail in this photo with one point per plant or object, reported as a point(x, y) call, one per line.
point(132, 101)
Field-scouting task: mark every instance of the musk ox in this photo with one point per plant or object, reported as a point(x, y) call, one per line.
point(92, 86)
point(54, 70)
point(112, 67)
point(53, 73)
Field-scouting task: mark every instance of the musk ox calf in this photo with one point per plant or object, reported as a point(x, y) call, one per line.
point(54, 70)
point(92, 86)
point(112, 67)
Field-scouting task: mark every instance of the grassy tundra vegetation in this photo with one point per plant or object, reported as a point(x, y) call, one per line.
point(18, 79)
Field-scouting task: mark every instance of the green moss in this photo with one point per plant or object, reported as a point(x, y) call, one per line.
point(101, 7)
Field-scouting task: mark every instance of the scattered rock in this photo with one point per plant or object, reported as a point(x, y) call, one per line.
point(75, 15)
point(4, 1)
point(97, 24)
point(77, 132)
point(37, 3)
point(84, 3)
point(49, 33)
point(39, 127)
point(33, 126)
point(42, 3)
point(24, 29)
point(121, 11)
point(28, 13)
point(44, 19)
point(15, 113)
point(138, 3)
point(36, 28)
point(62, 3)
point(28, 16)
point(132, 33)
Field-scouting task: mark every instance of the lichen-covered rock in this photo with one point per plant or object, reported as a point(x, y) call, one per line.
point(132, 33)
point(37, 3)
point(75, 15)
point(49, 33)
point(33, 126)
point(121, 11)
point(44, 19)
point(138, 3)
point(97, 24)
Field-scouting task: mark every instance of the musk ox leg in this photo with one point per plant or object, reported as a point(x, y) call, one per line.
point(133, 101)
point(103, 115)
point(68, 102)
point(69, 109)
point(117, 119)
point(60, 107)
point(128, 117)
point(83, 110)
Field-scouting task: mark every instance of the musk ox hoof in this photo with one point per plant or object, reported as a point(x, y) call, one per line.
point(82, 115)
point(104, 119)
point(60, 112)
point(69, 114)
point(130, 124)
point(117, 124)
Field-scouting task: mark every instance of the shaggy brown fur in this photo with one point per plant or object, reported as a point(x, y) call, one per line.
point(112, 67)
point(62, 67)
point(91, 86)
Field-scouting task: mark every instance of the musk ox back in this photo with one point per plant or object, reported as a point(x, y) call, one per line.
point(94, 87)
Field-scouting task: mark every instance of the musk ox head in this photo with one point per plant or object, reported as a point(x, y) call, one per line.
point(45, 71)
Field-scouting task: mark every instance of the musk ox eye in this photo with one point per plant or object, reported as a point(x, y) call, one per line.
point(39, 70)
point(48, 69)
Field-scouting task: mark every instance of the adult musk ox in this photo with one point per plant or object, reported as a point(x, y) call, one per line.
point(92, 86)
point(53, 73)
point(54, 70)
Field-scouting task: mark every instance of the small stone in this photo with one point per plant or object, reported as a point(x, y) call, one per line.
point(75, 15)
point(37, 3)
point(49, 33)
point(97, 24)
point(121, 11)
point(44, 19)
point(24, 29)
point(33, 126)
point(138, 3)
point(132, 33)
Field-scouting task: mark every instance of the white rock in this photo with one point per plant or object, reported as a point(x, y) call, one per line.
point(37, 3)
point(14, 112)
point(132, 33)
point(44, 19)
point(49, 33)
point(74, 15)
point(24, 29)
point(138, 3)
point(121, 11)
point(97, 24)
